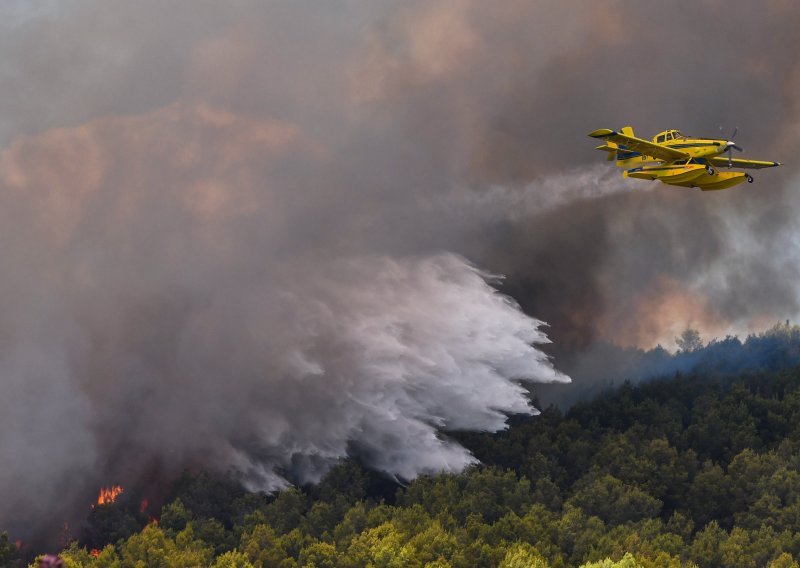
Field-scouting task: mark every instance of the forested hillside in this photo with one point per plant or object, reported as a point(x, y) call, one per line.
point(690, 470)
point(606, 366)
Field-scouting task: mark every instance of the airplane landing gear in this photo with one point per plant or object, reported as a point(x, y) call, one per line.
point(710, 171)
point(749, 178)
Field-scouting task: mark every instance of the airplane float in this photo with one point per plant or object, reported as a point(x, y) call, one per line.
point(675, 159)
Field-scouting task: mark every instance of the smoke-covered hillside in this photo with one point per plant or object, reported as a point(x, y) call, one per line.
point(697, 470)
point(607, 365)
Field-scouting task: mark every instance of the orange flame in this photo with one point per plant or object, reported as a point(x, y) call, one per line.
point(94, 552)
point(109, 494)
point(143, 505)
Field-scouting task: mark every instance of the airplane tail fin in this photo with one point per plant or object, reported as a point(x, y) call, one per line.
point(627, 158)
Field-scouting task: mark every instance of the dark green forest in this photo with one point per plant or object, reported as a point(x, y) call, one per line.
point(698, 469)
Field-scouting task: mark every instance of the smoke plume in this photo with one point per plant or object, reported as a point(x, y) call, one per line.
point(262, 236)
point(173, 297)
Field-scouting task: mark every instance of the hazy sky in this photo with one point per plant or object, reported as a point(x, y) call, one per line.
point(414, 99)
point(253, 234)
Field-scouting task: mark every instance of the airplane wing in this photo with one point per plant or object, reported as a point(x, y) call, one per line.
point(645, 147)
point(722, 162)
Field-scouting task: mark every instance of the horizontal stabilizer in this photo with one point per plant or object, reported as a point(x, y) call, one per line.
point(602, 133)
point(611, 148)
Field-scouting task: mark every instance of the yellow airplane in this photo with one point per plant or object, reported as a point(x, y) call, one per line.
point(675, 159)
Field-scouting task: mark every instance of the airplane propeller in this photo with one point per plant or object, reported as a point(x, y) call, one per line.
point(730, 146)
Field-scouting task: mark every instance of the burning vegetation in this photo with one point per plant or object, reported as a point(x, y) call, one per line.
point(108, 494)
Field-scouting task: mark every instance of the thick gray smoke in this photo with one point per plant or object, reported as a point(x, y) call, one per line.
point(243, 234)
point(172, 296)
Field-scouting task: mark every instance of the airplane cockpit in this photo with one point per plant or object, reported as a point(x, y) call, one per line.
point(667, 135)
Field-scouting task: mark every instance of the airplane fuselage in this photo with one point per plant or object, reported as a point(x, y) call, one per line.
point(694, 147)
point(693, 171)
